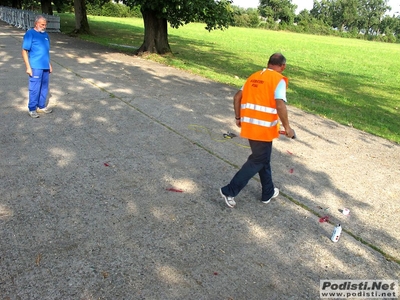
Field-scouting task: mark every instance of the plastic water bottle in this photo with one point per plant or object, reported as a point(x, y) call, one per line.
point(336, 233)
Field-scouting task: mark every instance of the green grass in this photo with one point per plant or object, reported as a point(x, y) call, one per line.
point(354, 82)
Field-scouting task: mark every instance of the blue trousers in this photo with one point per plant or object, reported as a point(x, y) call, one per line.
point(258, 162)
point(38, 88)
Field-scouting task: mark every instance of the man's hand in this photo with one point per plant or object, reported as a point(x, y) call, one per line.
point(29, 71)
point(283, 116)
point(238, 124)
point(290, 133)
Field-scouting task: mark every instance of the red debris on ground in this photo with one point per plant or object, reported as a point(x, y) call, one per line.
point(324, 219)
point(106, 164)
point(291, 171)
point(174, 190)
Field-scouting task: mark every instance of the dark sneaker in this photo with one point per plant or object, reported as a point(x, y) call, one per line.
point(276, 193)
point(230, 201)
point(33, 114)
point(45, 110)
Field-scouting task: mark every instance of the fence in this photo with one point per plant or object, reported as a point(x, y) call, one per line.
point(25, 19)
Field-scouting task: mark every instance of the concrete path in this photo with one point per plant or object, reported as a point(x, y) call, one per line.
point(85, 210)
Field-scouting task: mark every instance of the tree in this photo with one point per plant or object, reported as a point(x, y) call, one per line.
point(245, 17)
point(322, 11)
point(371, 13)
point(396, 28)
point(62, 6)
point(283, 10)
point(303, 18)
point(81, 21)
point(46, 6)
point(390, 26)
point(254, 18)
point(345, 14)
point(216, 14)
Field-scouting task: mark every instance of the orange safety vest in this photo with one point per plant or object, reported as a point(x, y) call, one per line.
point(258, 114)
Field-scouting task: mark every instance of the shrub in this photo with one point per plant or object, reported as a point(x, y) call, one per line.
point(93, 10)
point(115, 10)
point(135, 12)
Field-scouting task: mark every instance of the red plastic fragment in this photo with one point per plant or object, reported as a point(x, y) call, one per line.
point(174, 190)
point(291, 153)
point(215, 273)
point(324, 219)
point(291, 171)
point(106, 164)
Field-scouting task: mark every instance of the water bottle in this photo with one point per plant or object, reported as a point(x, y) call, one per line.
point(336, 233)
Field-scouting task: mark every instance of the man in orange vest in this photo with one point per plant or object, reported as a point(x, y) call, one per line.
point(258, 107)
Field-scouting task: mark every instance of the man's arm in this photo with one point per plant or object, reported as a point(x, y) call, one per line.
point(26, 60)
point(237, 99)
point(283, 116)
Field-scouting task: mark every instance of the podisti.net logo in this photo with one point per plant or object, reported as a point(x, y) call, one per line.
point(366, 289)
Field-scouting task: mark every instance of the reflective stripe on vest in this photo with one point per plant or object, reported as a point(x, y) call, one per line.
point(259, 122)
point(261, 108)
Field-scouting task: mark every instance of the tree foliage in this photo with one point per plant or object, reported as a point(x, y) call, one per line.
point(278, 10)
point(323, 11)
point(344, 14)
point(245, 17)
point(367, 19)
point(158, 13)
point(361, 16)
point(372, 12)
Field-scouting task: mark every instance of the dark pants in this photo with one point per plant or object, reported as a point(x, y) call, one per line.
point(38, 89)
point(258, 162)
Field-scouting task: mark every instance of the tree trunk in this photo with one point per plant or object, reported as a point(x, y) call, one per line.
point(155, 34)
point(46, 7)
point(81, 21)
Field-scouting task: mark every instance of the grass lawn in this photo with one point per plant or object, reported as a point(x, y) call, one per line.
point(354, 82)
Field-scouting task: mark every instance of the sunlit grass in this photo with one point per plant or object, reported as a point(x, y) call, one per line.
point(353, 82)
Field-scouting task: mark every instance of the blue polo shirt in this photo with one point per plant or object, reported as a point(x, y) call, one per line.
point(38, 46)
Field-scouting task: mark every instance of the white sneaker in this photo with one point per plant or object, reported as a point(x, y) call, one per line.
point(276, 193)
point(230, 201)
point(33, 114)
point(45, 110)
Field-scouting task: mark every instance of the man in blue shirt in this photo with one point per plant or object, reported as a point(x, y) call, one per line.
point(36, 55)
